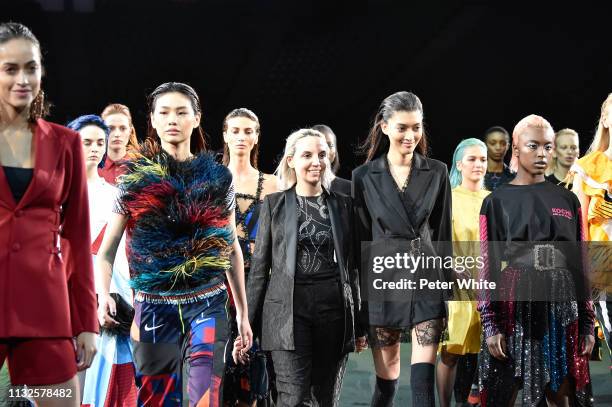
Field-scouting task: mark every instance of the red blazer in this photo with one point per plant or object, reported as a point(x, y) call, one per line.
point(45, 291)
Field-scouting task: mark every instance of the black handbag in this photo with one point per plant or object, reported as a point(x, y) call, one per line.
point(125, 316)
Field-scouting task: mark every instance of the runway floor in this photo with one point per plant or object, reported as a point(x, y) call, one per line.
point(359, 381)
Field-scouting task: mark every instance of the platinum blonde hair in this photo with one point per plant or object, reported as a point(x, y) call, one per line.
point(530, 122)
point(286, 175)
point(601, 141)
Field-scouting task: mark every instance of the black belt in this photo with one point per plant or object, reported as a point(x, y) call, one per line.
point(541, 257)
point(414, 245)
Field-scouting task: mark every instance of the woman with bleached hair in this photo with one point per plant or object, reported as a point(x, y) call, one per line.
point(538, 323)
point(302, 291)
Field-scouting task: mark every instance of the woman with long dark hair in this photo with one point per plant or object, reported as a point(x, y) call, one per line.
point(47, 297)
point(177, 203)
point(416, 212)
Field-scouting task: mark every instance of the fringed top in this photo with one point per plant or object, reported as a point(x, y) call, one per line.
point(181, 236)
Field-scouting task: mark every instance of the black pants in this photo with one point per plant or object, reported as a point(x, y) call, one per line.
point(311, 375)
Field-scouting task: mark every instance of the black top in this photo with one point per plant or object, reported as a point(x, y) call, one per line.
point(315, 248)
point(18, 180)
point(557, 181)
point(271, 283)
point(506, 208)
point(341, 186)
point(248, 221)
point(492, 180)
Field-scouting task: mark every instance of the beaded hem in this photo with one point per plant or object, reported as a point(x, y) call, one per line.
point(182, 298)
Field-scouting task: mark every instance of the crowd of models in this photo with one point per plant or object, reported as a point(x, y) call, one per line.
point(222, 285)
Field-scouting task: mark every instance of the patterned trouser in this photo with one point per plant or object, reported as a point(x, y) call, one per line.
point(169, 337)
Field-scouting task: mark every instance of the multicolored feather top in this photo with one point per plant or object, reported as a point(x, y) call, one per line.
point(179, 227)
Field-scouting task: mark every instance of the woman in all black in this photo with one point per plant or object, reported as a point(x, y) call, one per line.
point(303, 290)
point(402, 195)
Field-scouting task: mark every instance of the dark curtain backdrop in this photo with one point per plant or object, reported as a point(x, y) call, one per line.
point(299, 63)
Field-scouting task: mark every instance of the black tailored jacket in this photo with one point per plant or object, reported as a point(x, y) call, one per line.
point(380, 214)
point(341, 186)
point(271, 279)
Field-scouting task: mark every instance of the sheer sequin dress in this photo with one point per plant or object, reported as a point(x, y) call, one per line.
point(542, 337)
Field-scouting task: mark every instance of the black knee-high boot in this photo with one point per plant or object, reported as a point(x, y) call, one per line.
point(384, 392)
point(422, 383)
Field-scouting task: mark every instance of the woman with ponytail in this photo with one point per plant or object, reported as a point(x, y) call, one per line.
point(47, 292)
point(177, 204)
point(245, 385)
point(415, 213)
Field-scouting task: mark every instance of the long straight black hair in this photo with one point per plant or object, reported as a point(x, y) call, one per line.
point(377, 143)
point(198, 137)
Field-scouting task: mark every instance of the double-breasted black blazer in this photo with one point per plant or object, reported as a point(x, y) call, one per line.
point(271, 279)
point(381, 214)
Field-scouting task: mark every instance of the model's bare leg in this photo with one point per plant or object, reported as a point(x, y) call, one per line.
point(561, 397)
point(387, 367)
point(445, 376)
point(69, 388)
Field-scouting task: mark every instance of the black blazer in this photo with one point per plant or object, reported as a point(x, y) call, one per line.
point(380, 214)
point(271, 279)
point(341, 186)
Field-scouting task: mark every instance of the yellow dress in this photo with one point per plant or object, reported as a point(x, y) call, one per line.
point(596, 172)
point(463, 318)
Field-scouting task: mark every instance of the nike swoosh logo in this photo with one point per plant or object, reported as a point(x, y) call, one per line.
point(199, 321)
point(152, 328)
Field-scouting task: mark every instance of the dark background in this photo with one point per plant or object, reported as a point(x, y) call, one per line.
point(299, 63)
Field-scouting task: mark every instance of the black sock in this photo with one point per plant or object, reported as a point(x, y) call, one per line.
point(422, 383)
point(384, 392)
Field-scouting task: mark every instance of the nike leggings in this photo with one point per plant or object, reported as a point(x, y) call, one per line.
point(170, 339)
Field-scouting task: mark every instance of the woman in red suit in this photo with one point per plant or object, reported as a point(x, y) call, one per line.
point(46, 294)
